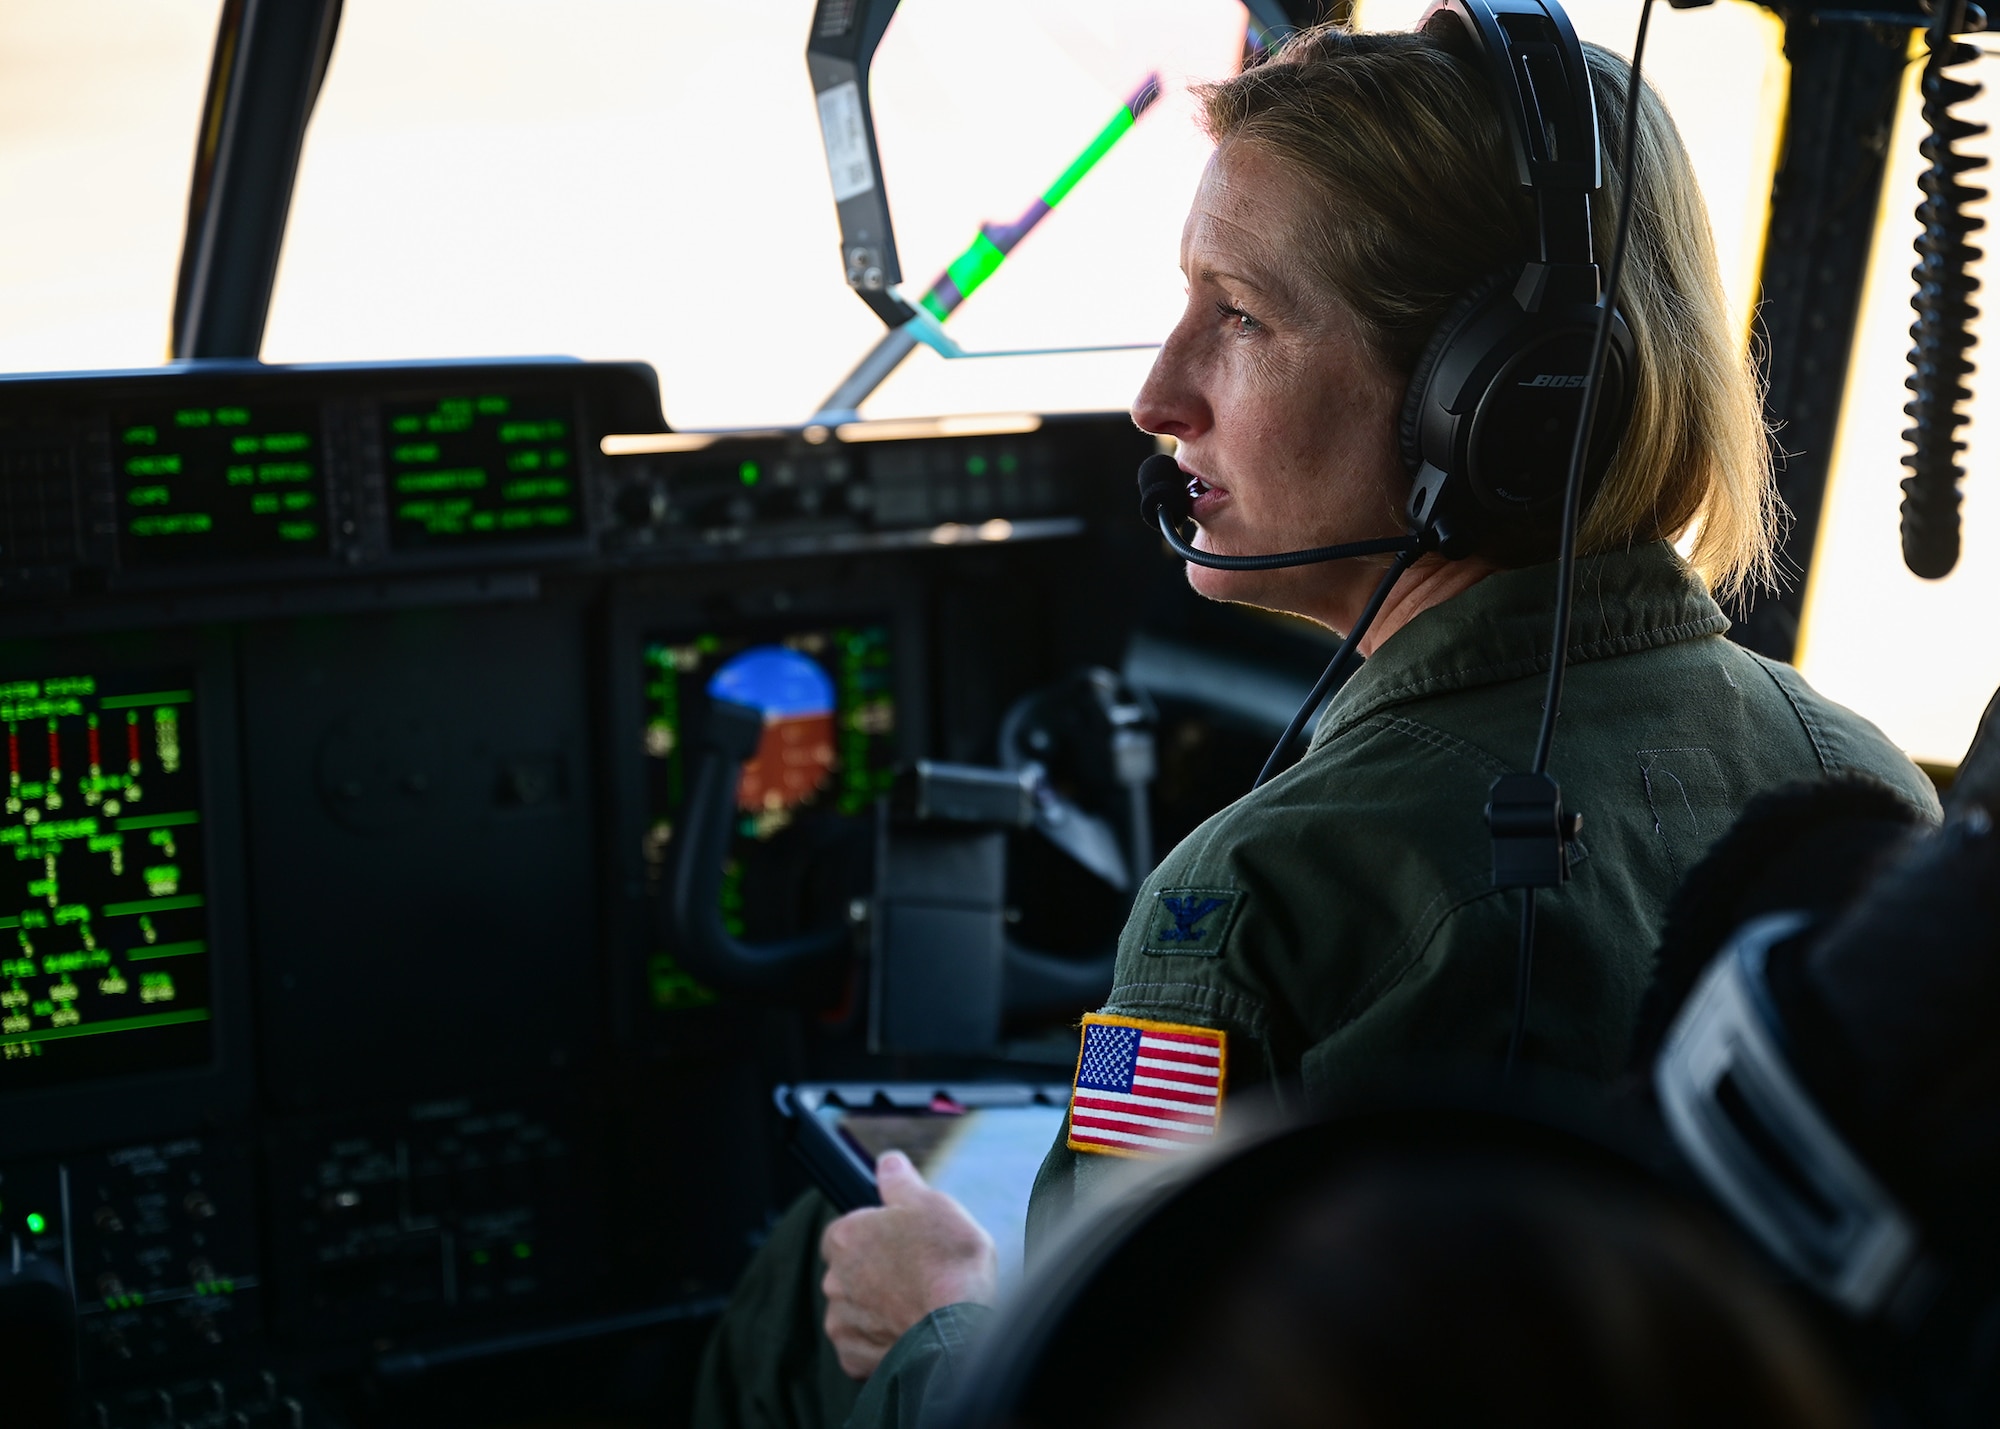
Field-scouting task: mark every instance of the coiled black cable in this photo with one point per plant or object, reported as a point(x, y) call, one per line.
point(1941, 337)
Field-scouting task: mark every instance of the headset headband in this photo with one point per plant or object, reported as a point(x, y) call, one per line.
point(1535, 64)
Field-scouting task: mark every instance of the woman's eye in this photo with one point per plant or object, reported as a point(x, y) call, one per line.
point(1242, 321)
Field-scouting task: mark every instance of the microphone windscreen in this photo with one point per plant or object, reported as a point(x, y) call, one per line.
point(1162, 483)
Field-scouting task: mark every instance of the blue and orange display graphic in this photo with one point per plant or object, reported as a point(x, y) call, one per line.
point(826, 755)
point(795, 758)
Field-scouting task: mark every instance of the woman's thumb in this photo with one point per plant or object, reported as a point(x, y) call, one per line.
point(897, 1177)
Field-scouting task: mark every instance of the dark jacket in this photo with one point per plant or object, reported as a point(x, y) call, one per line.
point(1351, 920)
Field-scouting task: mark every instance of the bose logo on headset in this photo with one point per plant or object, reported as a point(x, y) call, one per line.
point(1555, 379)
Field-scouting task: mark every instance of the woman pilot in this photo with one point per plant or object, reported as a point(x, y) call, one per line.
point(1341, 919)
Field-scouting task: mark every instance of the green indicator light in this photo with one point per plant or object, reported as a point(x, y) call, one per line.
point(36, 1223)
point(465, 478)
point(92, 1029)
point(154, 697)
point(192, 523)
point(534, 489)
point(154, 905)
point(967, 272)
point(157, 821)
point(168, 950)
point(406, 425)
point(975, 466)
point(480, 1257)
point(748, 473)
point(548, 431)
point(1110, 134)
point(522, 1250)
point(973, 267)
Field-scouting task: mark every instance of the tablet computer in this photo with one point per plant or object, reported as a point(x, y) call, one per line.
point(979, 1142)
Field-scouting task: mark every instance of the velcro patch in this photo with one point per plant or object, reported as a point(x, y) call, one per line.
point(1142, 1088)
point(1190, 922)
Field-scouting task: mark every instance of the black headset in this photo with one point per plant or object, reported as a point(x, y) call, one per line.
point(1496, 395)
point(1495, 398)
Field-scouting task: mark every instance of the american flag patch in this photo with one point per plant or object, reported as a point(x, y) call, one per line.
point(1144, 1087)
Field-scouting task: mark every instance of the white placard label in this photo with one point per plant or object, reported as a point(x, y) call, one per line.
point(846, 141)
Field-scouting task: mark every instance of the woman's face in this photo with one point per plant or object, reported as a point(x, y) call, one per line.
point(1286, 421)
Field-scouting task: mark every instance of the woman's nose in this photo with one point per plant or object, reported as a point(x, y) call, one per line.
point(1170, 402)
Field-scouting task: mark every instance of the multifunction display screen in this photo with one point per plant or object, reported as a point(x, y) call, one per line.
point(828, 697)
point(104, 963)
point(477, 469)
point(199, 484)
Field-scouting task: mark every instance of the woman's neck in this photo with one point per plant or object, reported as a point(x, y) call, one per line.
point(1431, 581)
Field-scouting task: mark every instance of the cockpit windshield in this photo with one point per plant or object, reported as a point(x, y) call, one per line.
point(100, 103)
point(647, 180)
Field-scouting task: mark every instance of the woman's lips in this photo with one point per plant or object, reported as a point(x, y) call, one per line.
point(1204, 498)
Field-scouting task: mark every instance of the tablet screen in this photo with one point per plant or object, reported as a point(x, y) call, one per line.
point(984, 1157)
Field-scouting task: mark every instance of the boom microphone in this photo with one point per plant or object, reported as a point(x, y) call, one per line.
point(1164, 499)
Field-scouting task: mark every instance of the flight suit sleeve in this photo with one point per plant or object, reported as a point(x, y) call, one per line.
point(919, 1374)
point(1178, 967)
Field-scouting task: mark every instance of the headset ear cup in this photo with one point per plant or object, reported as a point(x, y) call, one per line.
point(1410, 427)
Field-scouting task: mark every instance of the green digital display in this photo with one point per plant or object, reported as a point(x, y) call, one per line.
point(475, 469)
point(104, 965)
point(826, 755)
point(205, 484)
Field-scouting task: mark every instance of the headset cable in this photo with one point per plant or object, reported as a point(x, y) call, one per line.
point(1572, 502)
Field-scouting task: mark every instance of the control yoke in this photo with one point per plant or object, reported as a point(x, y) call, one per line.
point(806, 969)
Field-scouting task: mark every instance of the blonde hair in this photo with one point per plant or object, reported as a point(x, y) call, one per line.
point(1403, 137)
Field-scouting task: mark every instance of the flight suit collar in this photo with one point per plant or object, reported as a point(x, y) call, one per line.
point(1499, 630)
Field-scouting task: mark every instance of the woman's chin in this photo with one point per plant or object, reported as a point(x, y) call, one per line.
point(1238, 587)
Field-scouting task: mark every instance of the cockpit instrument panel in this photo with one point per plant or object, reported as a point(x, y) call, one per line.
point(220, 473)
point(481, 469)
point(350, 716)
point(104, 967)
point(195, 483)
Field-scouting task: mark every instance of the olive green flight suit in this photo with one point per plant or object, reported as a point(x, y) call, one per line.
point(1349, 920)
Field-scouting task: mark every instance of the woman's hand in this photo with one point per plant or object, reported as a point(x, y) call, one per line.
point(889, 1266)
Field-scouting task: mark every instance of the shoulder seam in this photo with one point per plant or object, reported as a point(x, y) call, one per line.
point(1520, 668)
point(1438, 739)
point(1827, 764)
point(1190, 997)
